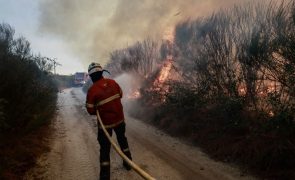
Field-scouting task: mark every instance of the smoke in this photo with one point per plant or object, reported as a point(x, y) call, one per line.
point(129, 84)
point(94, 28)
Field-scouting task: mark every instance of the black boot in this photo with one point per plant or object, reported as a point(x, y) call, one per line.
point(125, 164)
point(104, 173)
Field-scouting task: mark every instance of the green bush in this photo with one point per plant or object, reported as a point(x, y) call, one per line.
point(27, 91)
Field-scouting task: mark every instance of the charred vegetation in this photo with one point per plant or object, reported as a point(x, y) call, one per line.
point(230, 87)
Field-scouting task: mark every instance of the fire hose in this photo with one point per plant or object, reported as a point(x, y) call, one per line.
point(134, 166)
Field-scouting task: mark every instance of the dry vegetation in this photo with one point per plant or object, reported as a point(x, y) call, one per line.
point(236, 93)
point(27, 102)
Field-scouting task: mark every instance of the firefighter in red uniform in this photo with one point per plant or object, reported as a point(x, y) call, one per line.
point(105, 96)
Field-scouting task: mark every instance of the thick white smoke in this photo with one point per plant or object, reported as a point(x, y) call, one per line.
point(94, 28)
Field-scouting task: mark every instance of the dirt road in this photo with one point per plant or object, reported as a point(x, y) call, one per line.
point(75, 151)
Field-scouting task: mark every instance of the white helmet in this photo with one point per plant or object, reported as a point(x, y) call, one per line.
point(94, 67)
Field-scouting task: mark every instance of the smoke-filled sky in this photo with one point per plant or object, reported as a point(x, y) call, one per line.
point(93, 28)
point(24, 17)
point(80, 31)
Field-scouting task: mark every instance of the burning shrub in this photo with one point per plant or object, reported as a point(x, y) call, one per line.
point(140, 59)
point(183, 95)
point(282, 114)
point(240, 50)
point(235, 94)
point(243, 63)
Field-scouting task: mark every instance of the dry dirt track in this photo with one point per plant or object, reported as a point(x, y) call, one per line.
point(75, 152)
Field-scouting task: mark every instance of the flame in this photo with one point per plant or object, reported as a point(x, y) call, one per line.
point(167, 66)
point(134, 95)
point(159, 83)
point(165, 71)
point(169, 34)
point(266, 88)
point(271, 114)
point(242, 91)
point(164, 74)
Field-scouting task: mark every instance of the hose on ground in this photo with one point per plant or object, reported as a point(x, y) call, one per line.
point(134, 166)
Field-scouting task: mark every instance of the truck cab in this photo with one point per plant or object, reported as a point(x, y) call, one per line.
point(80, 78)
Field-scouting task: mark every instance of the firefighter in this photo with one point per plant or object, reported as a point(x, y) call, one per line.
point(105, 96)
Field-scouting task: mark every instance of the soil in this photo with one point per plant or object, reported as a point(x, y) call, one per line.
point(74, 150)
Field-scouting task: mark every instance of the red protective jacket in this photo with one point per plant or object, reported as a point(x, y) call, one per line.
point(105, 95)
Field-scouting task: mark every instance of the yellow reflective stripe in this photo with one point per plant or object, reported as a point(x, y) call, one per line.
point(126, 150)
point(89, 105)
point(106, 163)
point(108, 99)
point(112, 125)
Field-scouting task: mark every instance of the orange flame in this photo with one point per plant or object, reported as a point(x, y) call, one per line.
point(164, 73)
point(134, 95)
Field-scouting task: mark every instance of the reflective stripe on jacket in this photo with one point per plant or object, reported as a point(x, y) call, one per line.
point(105, 95)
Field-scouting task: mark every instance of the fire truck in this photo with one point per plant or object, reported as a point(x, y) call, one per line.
point(80, 78)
